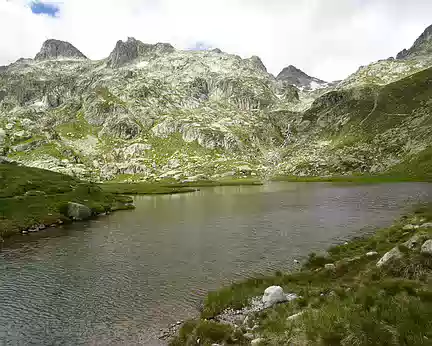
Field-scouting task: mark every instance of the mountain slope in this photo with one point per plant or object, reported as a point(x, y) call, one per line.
point(156, 112)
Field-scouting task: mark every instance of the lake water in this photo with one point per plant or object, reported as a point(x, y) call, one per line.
point(117, 280)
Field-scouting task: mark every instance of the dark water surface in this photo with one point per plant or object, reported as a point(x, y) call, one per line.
point(117, 280)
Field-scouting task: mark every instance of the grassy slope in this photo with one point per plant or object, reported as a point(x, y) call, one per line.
point(168, 187)
point(357, 303)
point(31, 196)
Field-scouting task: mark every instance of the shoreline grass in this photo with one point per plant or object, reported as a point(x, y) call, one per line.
point(356, 302)
point(358, 179)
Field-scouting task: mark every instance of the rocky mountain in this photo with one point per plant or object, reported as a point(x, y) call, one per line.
point(421, 47)
point(54, 49)
point(294, 76)
point(153, 112)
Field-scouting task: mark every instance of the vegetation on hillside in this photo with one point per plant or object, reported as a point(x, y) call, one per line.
point(30, 197)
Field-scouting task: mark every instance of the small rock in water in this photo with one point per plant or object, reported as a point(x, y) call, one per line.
point(296, 261)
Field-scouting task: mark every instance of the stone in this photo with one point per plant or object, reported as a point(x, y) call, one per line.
point(330, 266)
point(427, 247)
point(295, 316)
point(53, 49)
point(297, 77)
point(2, 135)
point(257, 342)
point(389, 256)
point(249, 336)
point(426, 225)
point(372, 254)
point(273, 295)
point(409, 227)
point(412, 242)
point(77, 211)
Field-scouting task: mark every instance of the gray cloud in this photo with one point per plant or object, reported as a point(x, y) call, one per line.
point(328, 39)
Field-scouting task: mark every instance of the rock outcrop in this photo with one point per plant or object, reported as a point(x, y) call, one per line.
point(427, 247)
point(77, 211)
point(132, 49)
point(298, 78)
point(54, 49)
point(422, 46)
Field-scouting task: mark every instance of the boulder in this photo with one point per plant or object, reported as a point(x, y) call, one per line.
point(425, 225)
point(330, 266)
point(2, 135)
point(273, 295)
point(77, 211)
point(257, 342)
point(297, 315)
point(427, 247)
point(412, 242)
point(372, 253)
point(389, 256)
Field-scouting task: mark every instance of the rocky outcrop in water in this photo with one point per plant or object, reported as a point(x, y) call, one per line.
point(53, 49)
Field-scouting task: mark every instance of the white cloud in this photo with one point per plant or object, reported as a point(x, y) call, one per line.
point(326, 38)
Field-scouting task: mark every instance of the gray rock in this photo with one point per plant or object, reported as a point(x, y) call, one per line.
point(53, 49)
point(412, 243)
point(249, 336)
point(273, 295)
point(2, 136)
point(409, 227)
point(122, 126)
point(126, 52)
point(78, 211)
point(389, 256)
point(372, 254)
point(330, 266)
point(297, 77)
point(295, 316)
point(426, 225)
point(257, 63)
point(257, 342)
point(427, 247)
point(422, 46)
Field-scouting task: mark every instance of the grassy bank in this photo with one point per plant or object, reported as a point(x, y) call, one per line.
point(30, 197)
point(171, 187)
point(359, 179)
point(355, 302)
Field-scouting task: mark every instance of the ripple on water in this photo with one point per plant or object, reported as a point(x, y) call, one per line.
point(121, 278)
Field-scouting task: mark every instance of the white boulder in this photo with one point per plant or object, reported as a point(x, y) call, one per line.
point(371, 254)
point(427, 247)
point(257, 342)
point(273, 295)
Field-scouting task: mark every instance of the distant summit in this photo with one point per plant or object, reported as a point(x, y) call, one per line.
point(126, 52)
point(53, 49)
point(294, 76)
point(421, 47)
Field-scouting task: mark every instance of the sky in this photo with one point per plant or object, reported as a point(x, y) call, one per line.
point(328, 39)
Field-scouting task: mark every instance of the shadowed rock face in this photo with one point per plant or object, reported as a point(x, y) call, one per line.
point(53, 49)
point(126, 52)
point(422, 46)
point(258, 63)
point(297, 77)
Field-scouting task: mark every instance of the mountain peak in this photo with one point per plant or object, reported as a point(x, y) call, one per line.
point(53, 49)
point(422, 46)
point(126, 52)
point(298, 78)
